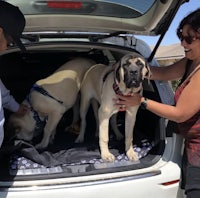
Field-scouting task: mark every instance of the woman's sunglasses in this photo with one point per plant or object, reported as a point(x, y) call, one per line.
point(187, 39)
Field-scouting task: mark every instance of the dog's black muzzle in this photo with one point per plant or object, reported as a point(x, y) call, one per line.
point(133, 79)
point(133, 84)
point(132, 76)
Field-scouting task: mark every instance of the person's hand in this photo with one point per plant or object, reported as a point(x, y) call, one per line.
point(23, 109)
point(123, 102)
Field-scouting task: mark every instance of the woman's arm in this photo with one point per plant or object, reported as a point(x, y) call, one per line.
point(8, 100)
point(171, 72)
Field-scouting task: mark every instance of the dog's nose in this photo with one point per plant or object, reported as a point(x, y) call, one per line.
point(133, 83)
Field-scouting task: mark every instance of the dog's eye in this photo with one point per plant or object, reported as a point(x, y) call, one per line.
point(139, 62)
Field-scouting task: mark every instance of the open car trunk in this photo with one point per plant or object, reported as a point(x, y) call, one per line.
point(65, 158)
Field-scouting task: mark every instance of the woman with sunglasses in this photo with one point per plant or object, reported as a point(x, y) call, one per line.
point(186, 111)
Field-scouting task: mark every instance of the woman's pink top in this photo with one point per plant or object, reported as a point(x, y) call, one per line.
point(190, 129)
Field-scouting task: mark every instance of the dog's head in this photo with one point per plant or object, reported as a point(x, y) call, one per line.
point(21, 127)
point(130, 71)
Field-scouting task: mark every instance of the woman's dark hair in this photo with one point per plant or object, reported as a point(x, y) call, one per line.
point(193, 19)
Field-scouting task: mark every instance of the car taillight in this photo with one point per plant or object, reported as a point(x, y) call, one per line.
point(64, 4)
point(170, 182)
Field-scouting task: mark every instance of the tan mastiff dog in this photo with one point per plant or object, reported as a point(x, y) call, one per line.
point(48, 100)
point(101, 84)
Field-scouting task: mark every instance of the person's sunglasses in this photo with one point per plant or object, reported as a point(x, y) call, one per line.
point(187, 39)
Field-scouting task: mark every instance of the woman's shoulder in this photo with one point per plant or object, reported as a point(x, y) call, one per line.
point(194, 77)
point(179, 67)
point(196, 73)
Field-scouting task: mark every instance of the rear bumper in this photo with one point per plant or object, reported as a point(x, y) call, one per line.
point(148, 184)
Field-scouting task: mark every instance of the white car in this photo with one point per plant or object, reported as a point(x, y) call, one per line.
point(103, 30)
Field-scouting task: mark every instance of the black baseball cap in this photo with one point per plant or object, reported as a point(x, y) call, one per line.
point(12, 21)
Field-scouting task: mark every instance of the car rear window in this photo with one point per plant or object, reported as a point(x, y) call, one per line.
point(109, 8)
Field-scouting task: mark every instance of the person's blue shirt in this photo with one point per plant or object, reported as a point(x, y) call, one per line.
point(6, 101)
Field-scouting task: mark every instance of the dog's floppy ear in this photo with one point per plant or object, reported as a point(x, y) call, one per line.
point(148, 72)
point(11, 130)
point(141, 61)
point(116, 68)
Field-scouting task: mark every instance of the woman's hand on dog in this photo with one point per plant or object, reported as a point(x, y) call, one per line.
point(23, 109)
point(123, 102)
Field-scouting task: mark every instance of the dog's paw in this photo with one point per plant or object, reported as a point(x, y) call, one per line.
point(107, 157)
point(132, 155)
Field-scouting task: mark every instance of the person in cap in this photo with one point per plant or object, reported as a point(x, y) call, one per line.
point(12, 23)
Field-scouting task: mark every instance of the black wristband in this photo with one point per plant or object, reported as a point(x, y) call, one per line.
point(144, 104)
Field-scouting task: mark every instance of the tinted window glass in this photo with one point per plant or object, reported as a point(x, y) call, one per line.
point(111, 8)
